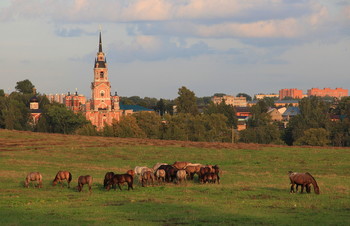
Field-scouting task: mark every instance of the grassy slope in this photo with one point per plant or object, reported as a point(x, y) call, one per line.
point(254, 188)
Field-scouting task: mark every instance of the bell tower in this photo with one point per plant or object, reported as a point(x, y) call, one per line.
point(103, 108)
point(100, 87)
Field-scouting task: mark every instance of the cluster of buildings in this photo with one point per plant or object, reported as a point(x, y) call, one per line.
point(103, 107)
point(285, 108)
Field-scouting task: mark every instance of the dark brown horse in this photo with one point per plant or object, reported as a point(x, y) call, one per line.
point(84, 180)
point(108, 177)
point(34, 176)
point(60, 176)
point(202, 172)
point(304, 180)
point(119, 179)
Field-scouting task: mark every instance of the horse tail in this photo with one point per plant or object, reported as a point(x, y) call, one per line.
point(314, 183)
point(70, 177)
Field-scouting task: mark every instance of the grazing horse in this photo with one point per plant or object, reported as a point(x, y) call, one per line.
point(34, 176)
point(119, 179)
point(108, 177)
point(157, 165)
point(147, 177)
point(60, 176)
point(211, 178)
point(181, 176)
point(192, 169)
point(303, 179)
point(180, 165)
point(160, 175)
point(202, 172)
point(84, 180)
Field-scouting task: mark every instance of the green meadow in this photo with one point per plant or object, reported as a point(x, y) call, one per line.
point(254, 188)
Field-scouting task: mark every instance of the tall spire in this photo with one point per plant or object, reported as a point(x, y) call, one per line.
point(100, 44)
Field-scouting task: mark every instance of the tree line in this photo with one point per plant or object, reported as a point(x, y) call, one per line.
point(182, 119)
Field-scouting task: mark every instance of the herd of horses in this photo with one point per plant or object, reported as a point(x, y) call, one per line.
point(160, 173)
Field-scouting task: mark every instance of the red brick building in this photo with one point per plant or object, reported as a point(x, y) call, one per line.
point(293, 93)
point(338, 92)
point(103, 107)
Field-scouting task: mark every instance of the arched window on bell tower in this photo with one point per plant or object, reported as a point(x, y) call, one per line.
point(102, 93)
point(101, 74)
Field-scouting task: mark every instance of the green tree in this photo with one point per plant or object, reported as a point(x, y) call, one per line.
point(56, 118)
point(127, 127)
point(25, 86)
point(225, 109)
point(260, 127)
point(149, 123)
point(175, 127)
point(314, 137)
point(186, 101)
point(160, 107)
point(314, 114)
point(2, 93)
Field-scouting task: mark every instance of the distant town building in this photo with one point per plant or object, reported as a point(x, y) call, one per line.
point(262, 96)
point(58, 98)
point(293, 93)
point(231, 100)
point(337, 92)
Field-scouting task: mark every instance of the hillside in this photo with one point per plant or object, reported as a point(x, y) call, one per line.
point(254, 186)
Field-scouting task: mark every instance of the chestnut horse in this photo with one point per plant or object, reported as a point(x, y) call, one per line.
point(108, 177)
point(34, 176)
point(84, 180)
point(120, 179)
point(303, 179)
point(60, 176)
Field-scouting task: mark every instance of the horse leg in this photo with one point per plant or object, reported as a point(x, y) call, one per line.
point(68, 183)
point(302, 189)
point(90, 188)
point(119, 186)
point(292, 188)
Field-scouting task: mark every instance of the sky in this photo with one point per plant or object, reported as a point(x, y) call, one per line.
point(154, 47)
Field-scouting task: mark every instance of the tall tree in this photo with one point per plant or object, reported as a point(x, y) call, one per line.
point(314, 114)
point(186, 101)
point(25, 87)
point(56, 118)
point(225, 109)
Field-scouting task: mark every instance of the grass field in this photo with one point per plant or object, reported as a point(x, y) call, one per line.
point(254, 185)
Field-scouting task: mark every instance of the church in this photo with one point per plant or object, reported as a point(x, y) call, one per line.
point(103, 107)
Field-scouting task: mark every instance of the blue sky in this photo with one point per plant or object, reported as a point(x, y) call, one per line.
point(153, 47)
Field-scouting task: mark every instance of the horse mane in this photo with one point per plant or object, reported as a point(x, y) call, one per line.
point(307, 173)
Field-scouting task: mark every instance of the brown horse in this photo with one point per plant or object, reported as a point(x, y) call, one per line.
point(131, 172)
point(120, 179)
point(108, 177)
point(180, 165)
point(304, 180)
point(34, 176)
point(60, 176)
point(191, 170)
point(211, 178)
point(84, 180)
point(147, 177)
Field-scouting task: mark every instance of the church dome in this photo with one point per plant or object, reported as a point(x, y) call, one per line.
point(34, 99)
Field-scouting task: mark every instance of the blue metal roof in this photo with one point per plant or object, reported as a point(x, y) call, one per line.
point(135, 108)
point(291, 111)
